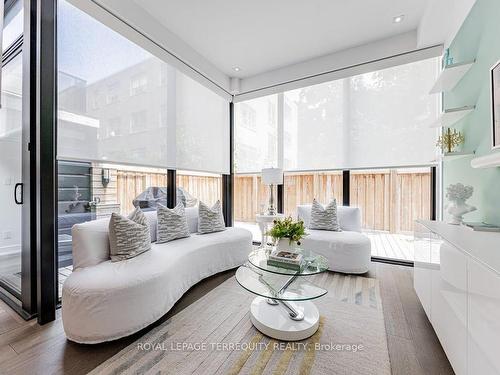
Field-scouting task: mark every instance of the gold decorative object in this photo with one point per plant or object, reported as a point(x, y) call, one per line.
point(450, 139)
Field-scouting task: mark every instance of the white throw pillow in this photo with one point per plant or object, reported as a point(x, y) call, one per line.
point(324, 218)
point(210, 219)
point(128, 236)
point(172, 223)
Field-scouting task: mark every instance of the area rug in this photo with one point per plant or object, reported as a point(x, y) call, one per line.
point(214, 335)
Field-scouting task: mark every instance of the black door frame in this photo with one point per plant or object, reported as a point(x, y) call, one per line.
point(41, 68)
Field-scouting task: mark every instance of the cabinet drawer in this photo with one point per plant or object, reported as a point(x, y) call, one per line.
point(484, 320)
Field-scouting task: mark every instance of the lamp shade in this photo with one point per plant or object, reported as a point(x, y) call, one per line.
point(272, 176)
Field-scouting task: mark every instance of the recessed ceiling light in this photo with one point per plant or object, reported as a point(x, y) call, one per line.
point(236, 68)
point(398, 19)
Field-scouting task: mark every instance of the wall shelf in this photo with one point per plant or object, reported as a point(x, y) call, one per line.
point(454, 155)
point(451, 116)
point(450, 76)
point(487, 161)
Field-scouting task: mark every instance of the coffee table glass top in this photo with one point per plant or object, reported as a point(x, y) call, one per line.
point(313, 263)
point(276, 286)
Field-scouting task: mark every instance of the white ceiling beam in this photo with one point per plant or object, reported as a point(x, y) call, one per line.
point(381, 54)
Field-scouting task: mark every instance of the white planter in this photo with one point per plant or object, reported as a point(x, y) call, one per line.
point(285, 245)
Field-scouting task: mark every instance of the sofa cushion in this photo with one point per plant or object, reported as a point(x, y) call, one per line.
point(210, 219)
point(172, 223)
point(349, 217)
point(324, 218)
point(90, 240)
point(346, 251)
point(128, 236)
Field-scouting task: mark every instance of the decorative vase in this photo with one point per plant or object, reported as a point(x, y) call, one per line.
point(457, 209)
point(284, 244)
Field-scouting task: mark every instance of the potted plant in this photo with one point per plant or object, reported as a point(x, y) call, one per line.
point(286, 233)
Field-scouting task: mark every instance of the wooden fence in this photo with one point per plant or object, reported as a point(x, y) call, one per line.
point(390, 200)
point(130, 184)
point(207, 189)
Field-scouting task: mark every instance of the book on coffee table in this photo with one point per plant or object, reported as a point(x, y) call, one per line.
point(285, 259)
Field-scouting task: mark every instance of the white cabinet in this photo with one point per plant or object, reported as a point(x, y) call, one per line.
point(484, 320)
point(449, 304)
point(423, 267)
point(460, 293)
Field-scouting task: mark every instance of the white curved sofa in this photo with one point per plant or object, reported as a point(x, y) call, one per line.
point(104, 300)
point(348, 251)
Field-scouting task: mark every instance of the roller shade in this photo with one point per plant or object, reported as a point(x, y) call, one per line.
point(117, 103)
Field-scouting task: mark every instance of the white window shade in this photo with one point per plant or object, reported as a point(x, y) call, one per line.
point(99, 117)
point(202, 129)
point(377, 119)
point(256, 134)
point(119, 104)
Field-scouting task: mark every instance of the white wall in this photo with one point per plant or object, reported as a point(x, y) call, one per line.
point(442, 21)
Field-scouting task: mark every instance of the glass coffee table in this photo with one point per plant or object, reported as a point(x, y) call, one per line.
point(283, 309)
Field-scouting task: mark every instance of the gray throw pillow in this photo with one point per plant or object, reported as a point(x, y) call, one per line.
point(172, 223)
point(324, 218)
point(210, 219)
point(128, 236)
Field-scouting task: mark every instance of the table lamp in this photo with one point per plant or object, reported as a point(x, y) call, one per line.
point(271, 177)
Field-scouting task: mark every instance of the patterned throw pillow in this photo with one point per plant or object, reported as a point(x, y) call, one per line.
point(324, 218)
point(172, 223)
point(210, 219)
point(128, 236)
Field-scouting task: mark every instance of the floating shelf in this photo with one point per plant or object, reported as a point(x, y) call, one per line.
point(457, 155)
point(450, 76)
point(488, 161)
point(452, 116)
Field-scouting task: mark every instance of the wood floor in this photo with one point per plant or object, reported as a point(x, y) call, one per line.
point(27, 348)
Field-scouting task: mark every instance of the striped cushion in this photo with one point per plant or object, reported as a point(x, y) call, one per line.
point(128, 236)
point(210, 219)
point(172, 223)
point(324, 218)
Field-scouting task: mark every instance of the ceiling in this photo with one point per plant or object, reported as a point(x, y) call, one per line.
point(277, 41)
point(262, 35)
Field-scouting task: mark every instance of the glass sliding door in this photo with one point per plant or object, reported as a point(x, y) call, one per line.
point(11, 177)
point(16, 261)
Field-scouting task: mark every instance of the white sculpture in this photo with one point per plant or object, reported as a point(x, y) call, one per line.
point(457, 194)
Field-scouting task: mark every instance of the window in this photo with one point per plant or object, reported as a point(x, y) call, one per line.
point(378, 119)
point(370, 120)
point(13, 25)
point(139, 84)
point(247, 117)
point(114, 128)
point(112, 95)
point(138, 122)
point(123, 110)
point(256, 128)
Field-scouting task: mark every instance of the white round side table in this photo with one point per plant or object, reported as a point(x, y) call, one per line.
point(264, 221)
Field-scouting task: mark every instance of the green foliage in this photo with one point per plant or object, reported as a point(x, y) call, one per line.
point(287, 228)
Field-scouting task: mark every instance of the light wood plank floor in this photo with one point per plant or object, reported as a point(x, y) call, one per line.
point(27, 348)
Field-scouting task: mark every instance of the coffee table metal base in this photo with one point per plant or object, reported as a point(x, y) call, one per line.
point(275, 320)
